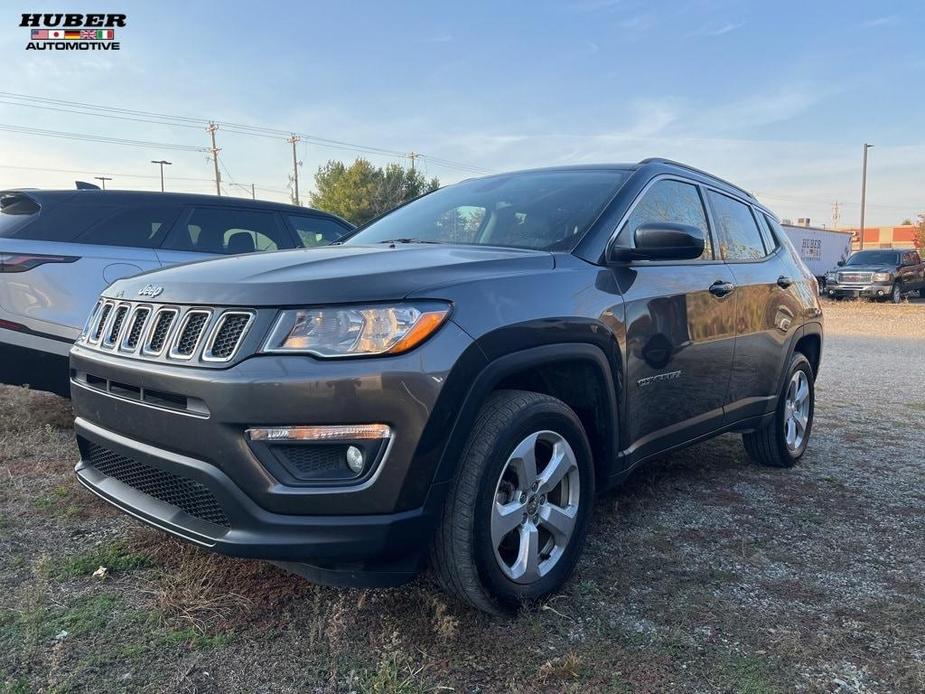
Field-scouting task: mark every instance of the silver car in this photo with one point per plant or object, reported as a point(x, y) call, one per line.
point(60, 248)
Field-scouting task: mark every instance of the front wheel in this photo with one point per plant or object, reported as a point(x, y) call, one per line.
point(515, 520)
point(783, 441)
point(896, 295)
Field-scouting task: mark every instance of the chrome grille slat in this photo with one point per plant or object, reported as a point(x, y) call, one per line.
point(102, 320)
point(114, 328)
point(157, 337)
point(227, 335)
point(169, 333)
point(137, 322)
point(189, 334)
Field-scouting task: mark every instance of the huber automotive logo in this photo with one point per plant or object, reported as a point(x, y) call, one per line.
point(72, 32)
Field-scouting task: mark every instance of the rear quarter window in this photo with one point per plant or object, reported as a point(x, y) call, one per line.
point(58, 222)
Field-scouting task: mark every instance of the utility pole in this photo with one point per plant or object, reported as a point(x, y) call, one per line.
point(863, 195)
point(836, 214)
point(103, 179)
point(162, 163)
point(253, 194)
point(294, 140)
point(215, 150)
point(412, 156)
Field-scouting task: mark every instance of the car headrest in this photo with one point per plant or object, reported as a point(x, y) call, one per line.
point(241, 242)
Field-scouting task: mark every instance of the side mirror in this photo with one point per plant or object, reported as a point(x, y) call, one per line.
point(840, 263)
point(662, 241)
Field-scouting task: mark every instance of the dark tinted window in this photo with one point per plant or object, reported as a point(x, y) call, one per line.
point(55, 221)
point(228, 230)
point(15, 212)
point(141, 227)
point(548, 210)
point(767, 236)
point(739, 238)
point(316, 231)
point(675, 202)
point(874, 258)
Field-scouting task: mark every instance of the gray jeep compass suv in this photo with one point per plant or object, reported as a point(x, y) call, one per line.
point(452, 383)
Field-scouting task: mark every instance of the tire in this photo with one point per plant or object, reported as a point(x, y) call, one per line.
point(769, 445)
point(896, 295)
point(466, 561)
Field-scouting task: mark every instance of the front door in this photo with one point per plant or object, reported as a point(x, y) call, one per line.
point(680, 323)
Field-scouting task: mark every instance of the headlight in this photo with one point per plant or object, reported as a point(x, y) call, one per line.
point(354, 331)
point(882, 277)
point(830, 277)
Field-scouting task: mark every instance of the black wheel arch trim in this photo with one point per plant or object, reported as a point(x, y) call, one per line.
point(497, 369)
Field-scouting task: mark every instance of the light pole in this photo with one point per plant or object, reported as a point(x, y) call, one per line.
point(103, 179)
point(162, 164)
point(863, 195)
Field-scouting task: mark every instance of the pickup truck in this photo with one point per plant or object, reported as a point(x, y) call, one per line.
point(882, 274)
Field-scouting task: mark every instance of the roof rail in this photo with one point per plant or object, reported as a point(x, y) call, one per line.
point(671, 162)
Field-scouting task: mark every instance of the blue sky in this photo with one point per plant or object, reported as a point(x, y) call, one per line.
point(778, 97)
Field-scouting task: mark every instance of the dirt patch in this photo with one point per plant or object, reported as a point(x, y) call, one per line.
point(702, 573)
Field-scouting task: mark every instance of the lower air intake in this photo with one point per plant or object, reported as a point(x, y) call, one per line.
point(187, 495)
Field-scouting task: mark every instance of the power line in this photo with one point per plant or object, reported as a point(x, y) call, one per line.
point(83, 108)
point(95, 138)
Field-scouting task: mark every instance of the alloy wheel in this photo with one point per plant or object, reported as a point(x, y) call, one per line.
point(535, 507)
point(796, 411)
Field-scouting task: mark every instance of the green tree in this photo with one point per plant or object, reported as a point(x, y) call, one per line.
point(362, 191)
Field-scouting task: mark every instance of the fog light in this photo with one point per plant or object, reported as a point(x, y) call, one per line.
point(355, 459)
point(880, 293)
point(831, 292)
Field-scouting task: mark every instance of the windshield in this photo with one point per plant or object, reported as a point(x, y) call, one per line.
point(547, 210)
point(874, 258)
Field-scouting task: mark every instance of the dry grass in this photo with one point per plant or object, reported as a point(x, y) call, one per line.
point(702, 574)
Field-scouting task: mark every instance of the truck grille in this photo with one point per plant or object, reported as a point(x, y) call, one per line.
point(855, 277)
point(185, 494)
point(168, 333)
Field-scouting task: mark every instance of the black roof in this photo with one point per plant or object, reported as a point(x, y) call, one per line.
point(130, 197)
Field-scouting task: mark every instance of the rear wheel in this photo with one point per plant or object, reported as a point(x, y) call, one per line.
point(783, 440)
point(515, 521)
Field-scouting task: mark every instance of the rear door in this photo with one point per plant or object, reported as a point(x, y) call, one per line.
point(767, 303)
point(680, 323)
point(207, 231)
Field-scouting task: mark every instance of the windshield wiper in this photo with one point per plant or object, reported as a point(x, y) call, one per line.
point(408, 240)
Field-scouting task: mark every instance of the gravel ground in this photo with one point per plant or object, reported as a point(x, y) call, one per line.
point(703, 572)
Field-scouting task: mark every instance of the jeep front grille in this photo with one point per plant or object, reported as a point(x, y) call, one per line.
point(169, 333)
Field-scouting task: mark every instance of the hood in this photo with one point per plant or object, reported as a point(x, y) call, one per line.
point(865, 268)
point(331, 274)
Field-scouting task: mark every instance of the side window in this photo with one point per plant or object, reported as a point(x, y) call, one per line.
point(316, 231)
point(739, 237)
point(767, 235)
point(63, 222)
point(229, 231)
point(139, 227)
point(672, 201)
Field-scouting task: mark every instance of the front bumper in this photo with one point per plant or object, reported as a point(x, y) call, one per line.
point(868, 291)
point(236, 525)
point(179, 457)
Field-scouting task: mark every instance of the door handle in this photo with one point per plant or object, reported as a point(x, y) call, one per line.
point(721, 289)
point(783, 281)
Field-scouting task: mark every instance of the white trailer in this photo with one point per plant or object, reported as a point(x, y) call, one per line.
point(820, 249)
